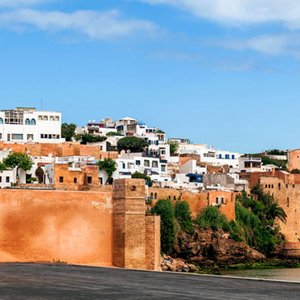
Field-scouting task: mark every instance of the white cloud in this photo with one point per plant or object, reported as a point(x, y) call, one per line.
point(240, 12)
point(93, 24)
point(266, 44)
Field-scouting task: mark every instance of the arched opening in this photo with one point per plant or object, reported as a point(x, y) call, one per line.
point(33, 122)
point(27, 122)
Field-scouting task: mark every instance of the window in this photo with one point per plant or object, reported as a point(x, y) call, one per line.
point(147, 163)
point(75, 180)
point(155, 196)
point(89, 179)
point(33, 122)
point(220, 156)
point(163, 168)
point(45, 118)
point(217, 200)
point(138, 162)
point(61, 179)
point(123, 166)
point(222, 200)
point(27, 122)
point(56, 118)
point(29, 137)
point(1, 121)
point(0, 136)
point(51, 118)
point(17, 136)
point(279, 186)
point(0, 178)
point(154, 164)
point(7, 179)
point(288, 202)
point(227, 156)
point(40, 118)
point(233, 156)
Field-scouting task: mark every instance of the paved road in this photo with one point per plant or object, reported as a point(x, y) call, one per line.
point(42, 281)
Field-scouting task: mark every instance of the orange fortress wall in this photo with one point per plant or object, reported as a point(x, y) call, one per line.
point(93, 228)
point(62, 149)
point(73, 227)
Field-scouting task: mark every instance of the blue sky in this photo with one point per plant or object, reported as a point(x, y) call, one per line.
point(221, 72)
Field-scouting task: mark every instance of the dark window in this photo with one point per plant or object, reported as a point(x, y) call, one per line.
point(61, 179)
point(288, 202)
point(75, 180)
point(138, 162)
point(7, 179)
point(155, 196)
point(217, 200)
point(89, 179)
point(279, 185)
point(222, 200)
point(0, 178)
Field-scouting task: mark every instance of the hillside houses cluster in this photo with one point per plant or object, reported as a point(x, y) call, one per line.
point(192, 167)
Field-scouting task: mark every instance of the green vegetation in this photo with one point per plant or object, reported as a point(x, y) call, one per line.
point(165, 209)
point(276, 152)
point(90, 138)
point(256, 223)
point(2, 167)
point(39, 173)
point(68, 131)
point(266, 160)
point(109, 166)
point(173, 147)
point(113, 133)
point(295, 171)
point(132, 143)
point(142, 176)
point(211, 217)
point(183, 216)
point(256, 217)
point(19, 161)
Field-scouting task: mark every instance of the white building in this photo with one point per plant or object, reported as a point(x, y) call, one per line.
point(23, 125)
point(210, 155)
point(7, 178)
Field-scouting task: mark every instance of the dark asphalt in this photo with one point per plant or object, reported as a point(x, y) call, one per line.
point(47, 281)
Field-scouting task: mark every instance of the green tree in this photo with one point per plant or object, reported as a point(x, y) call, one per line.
point(211, 217)
point(90, 138)
point(295, 171)
point(132, 143)
point(173, 147)
point(39, 173)
point(256, 220)
point(113, 133)
point(109, 166)
point(68, 131)
point(19, 161)
point(183, 216)
point(139, 175)
point(165, 209)
point(2, 166)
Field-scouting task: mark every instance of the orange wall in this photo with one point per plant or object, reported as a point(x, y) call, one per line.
point(294, 159)
point(63, 149)
point(73, 227)
point(198, 201)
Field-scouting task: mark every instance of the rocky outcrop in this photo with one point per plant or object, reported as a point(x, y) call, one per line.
point(207, 248)
point(171, 264)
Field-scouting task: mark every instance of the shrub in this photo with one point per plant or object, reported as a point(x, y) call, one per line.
point(142, 176)
point(183, 216)
point(132, 143)
point(211, 217)
point(165, 209)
